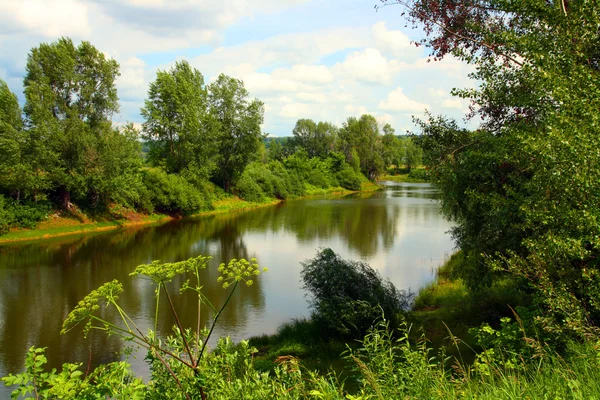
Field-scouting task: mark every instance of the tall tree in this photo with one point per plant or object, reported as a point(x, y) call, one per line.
point(180, 131)
point(316, 138)
point(361, 137)
point(238, 119)
point(70, 97)
point(11, 139)
point(393, 150)
point(529, 179)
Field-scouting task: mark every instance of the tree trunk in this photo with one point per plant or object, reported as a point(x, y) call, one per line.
point(65, 198)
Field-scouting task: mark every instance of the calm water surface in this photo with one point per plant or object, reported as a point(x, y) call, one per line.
point(399, 232)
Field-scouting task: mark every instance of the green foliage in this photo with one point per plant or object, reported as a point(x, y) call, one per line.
point(172, 194)
point(70, 96)
point(348, 296)
point(179, 129)
point(238, 119)
point(21, 214)
point(349, 179)
point(524, 189)
point(361, 143)
point(419, 175)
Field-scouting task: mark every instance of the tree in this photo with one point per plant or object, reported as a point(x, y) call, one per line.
point(413, 154)
point(362, 137)
point(11, 139)
point(316, 138)
point(393, 150)
point(534, 178)
point(179, 129)
point(70, 95)
point(238, 119)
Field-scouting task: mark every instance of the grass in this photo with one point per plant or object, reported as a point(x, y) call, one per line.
point(301, 339)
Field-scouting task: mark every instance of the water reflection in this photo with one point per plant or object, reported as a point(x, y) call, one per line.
point(398, 231)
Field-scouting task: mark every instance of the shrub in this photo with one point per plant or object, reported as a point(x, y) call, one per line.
point(249, 190)
point(419, 174)
point(349, 179)
point(25, 214)
point(173, 194)
point(348, 296)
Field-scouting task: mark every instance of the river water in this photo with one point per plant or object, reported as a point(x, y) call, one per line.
point(398, 231)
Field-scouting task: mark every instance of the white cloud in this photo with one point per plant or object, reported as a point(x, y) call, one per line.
point(367, 65)
point(398, 101)
point(57, 18)
point(455, 103)
point(394, 43)
point(295, 110)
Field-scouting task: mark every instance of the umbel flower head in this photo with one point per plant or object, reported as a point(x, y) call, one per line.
point(239, 270)
point(107, 293)
point(165, 272)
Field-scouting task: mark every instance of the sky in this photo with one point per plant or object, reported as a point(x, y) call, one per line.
point(321, 59)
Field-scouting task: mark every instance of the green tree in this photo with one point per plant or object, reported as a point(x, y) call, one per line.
point(316, 138)
point(393, 150)
point(179, 129)
point(362, 137)
point(534, 180)
point(238, 119)
point(12, 140)
point(70, 96)
point(413, 153)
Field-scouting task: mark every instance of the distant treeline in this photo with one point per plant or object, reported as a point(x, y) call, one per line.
point(198, 141)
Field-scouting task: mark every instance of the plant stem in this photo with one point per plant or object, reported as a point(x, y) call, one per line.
point(181, 331)
point(156, 311)
point(216, 318)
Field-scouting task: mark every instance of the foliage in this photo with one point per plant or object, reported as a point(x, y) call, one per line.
point(172, 194)
point(25, 214)
point(70, 95)
point(361, 142)
point(525, 187)
point(179, 129)
point(238, 120)
point(317, 139)
point(419, 175)
point(348, 296)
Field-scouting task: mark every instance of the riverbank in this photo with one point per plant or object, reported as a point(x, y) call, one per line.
point(61, 224)
point(442, 311)
point(416, 175)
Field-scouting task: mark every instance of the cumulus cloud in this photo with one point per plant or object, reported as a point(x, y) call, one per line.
point(328, 73)
point(398, 101)
point(46, 18)
point(367, 65)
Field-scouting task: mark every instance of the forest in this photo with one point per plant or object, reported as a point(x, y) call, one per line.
point(199, 141)
point(523, 190)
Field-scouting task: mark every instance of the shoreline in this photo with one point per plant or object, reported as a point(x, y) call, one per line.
point(232, 204)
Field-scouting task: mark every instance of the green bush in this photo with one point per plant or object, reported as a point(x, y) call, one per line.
point(419, 174)
point(25, 214)
point(349, 179)
point(249, 190)
point(172, 194)
point(348, 296)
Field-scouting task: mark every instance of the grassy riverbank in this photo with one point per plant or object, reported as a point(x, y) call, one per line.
point(61, 223)
point(445, 312)
point(415, 175)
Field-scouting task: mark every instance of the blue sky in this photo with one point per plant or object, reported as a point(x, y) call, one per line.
point(325, 60)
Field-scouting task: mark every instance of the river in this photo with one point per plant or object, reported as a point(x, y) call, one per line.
point(398, 231)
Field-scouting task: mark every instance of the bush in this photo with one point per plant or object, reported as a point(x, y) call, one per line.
point(349, 179)
point(172, 194)
point(348, 296)
point(21, 214)
point(249, 190)
point(419, 174)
